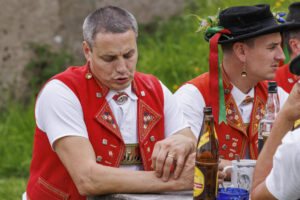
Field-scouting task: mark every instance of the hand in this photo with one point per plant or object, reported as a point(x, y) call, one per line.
point(291, 108)
point(222, 175)
point(186, 180)
point(172, 150)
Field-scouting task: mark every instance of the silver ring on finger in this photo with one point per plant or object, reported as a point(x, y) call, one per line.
point(171, 156)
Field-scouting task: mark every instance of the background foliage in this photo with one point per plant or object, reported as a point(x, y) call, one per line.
point(171, 50)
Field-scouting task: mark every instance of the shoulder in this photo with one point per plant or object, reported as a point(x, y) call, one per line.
point(201, 79)
point(72, 73)
point(189, 94)
point(147, 81)
point(54, 87)
point(187, 88)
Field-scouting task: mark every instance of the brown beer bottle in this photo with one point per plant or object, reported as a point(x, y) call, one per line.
point(207, 159)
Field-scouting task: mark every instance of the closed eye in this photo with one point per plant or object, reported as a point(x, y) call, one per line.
point(129, 54)
point(108, 58)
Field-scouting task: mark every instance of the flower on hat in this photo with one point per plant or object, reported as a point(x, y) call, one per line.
point(208, 22)
point(279, 16)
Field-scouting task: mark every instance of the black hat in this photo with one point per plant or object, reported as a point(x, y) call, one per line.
point(246, 22)
point(293, 18)
point(295, 66)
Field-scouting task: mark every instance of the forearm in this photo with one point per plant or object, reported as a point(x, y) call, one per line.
point(92, 178)
point(264, 163)
point(114, 180)
point(105, 180)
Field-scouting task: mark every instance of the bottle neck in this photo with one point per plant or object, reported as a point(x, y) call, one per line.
point(272, 106)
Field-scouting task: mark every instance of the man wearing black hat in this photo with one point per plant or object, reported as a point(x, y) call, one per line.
point(250, 39)
point(291, 38)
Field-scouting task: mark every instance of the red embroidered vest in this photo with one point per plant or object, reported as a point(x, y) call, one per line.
point(235, 135)
point(49, 178)
point(285, 79)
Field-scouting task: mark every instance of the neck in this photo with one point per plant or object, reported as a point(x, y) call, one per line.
point(233, 69)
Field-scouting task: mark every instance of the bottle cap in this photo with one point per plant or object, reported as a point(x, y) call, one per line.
point(207, 109)
point(272, 87)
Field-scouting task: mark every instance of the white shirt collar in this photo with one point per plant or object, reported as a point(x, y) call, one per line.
point(128, 90)
point(239, 96)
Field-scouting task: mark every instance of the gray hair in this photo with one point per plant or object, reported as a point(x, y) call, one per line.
point(109, 19)
point(292, 34)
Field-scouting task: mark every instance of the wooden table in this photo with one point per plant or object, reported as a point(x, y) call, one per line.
point(180, 195)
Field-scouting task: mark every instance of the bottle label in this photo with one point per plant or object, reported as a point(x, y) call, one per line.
point(204, 139)
point(199, 182)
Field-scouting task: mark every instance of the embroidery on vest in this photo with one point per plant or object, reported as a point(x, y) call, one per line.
point(233, 116)
point(147, 118)
point(258, 113)
point(107, 119)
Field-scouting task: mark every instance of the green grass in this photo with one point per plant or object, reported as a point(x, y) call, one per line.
point(12, 188)
point(172, 51)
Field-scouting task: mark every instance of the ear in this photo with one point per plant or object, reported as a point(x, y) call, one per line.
point(239, 49)
point(295, 46)
point(86, 50)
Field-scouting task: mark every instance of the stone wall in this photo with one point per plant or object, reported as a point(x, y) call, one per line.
point(58, 23)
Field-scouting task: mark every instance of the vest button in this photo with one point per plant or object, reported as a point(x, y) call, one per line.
point(152, 138)
point(104, 141)
point(99, 158)
point(98, 94)
point(226, 91)
point(227, 137)
point(224, 147)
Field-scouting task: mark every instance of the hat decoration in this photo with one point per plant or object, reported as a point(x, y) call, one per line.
point(279, 17)
point(216, 88)
point(217, 101)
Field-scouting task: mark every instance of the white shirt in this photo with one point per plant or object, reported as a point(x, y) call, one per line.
point(192, 103)
point(58, 113)
point(283, 182)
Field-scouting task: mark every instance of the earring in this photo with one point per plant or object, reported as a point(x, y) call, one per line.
point(88, 75)
point(244, 73)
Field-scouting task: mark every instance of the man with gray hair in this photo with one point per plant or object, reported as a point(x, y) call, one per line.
point(101, 128)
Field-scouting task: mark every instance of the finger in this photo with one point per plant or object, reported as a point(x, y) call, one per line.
point(167, 168)
point(220, 181)
point(179, 166)
point(221, 167)
point(160, 161)
point(221, 175)
point(154, 155)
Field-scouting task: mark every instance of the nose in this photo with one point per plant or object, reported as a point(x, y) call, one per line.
point(280, 54)
point(121, 66)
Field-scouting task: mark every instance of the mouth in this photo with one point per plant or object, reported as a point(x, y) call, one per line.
point(275, 67)
point(121, 80)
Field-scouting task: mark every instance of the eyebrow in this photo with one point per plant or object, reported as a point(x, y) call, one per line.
point(111, 54)
point(273, 44)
